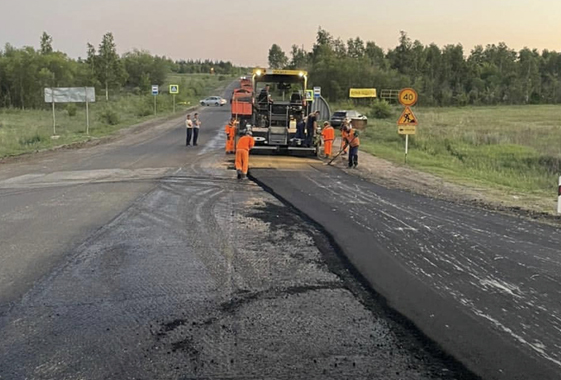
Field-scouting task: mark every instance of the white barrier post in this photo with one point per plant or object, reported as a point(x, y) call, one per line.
point(559, 197)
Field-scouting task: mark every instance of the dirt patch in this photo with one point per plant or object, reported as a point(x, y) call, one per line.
point(396, 176)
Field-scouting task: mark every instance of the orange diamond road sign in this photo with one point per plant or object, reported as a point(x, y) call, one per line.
point(408, 97)
point(407, 117)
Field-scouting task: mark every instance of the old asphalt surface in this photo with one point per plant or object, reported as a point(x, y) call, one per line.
point(145, 259)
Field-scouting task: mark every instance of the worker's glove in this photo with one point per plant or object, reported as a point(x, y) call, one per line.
point(357, 133)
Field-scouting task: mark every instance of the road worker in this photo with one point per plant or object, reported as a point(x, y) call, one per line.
point(242, 154)
point(311, 126)
point(353, 142)
point(345, 127)
point(300, 129)
point(328, 134)
point(231, 136)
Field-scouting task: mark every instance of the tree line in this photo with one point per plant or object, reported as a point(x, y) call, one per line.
point(443, 76)
point(25, 72)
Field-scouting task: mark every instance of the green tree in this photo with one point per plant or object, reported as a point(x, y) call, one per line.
point(46, 44)
point(110, 71)
point(299, 58)
point(277, 57)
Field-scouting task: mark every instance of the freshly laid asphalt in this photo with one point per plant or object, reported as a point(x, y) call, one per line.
point(484, 286)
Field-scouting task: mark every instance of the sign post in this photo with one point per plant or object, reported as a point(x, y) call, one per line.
point(173, 90)
point(54, 115)
point(155, 92)
point(70, 95)
point(87, 111)
point(407, 122)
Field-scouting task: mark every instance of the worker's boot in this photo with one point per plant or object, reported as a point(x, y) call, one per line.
point(240, 174)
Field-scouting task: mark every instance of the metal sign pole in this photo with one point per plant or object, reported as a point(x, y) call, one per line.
point(87, 113)
point(406, 146)
point(155, 96)
point(54, 117)
point(173, 103)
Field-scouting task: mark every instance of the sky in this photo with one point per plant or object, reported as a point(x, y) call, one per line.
point(242, 31)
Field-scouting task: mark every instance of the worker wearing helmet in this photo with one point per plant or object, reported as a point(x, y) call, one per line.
point(328, 134)
point(230, 130)
point(353, 142)
point(242, 154)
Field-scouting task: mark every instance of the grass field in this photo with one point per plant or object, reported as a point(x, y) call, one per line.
point(514, 148)
point(31, 130)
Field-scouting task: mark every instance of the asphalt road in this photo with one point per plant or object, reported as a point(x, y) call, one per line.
point(145, 259)
point(483, 285)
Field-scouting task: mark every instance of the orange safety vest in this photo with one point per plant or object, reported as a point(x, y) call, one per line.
point(328, 133)
point(230, 130)
point(245, 143)
point(352, 139)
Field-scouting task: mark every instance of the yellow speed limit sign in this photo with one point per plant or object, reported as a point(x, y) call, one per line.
point(408, 97)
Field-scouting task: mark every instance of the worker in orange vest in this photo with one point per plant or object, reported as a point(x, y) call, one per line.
point(353, 142)
point(230, 130)
point(242, 154)
point(328, 134)
point(345, 127)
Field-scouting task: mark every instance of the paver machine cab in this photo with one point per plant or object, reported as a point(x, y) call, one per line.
point(274, 118)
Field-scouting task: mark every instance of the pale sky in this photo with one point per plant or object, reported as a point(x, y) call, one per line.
point(242, 31)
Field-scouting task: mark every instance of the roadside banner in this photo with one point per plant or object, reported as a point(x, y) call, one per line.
point(362, 93)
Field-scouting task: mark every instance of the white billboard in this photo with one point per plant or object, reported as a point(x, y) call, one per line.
point(70, 95)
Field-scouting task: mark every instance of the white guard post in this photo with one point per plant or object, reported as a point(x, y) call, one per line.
point(559, 197)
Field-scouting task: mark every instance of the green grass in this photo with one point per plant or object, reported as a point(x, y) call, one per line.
point(513, 148)
point(31, 130)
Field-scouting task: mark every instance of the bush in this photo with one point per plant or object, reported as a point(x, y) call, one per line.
point(109, 116)
point(143, 110)
point(222, 77)
point(381, 110)
point(71, 109)
point(30, 139)
point(144, 106)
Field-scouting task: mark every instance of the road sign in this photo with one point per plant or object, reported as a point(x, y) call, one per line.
point(317, 92)
point(408, 97)
point(407, 129)
point(173, 89)
point(309, 95)
point(155, 90)
point(362, 93)
point(407, 117)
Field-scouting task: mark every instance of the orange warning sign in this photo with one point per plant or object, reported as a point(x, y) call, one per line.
point(408, 97)
point(407, 117)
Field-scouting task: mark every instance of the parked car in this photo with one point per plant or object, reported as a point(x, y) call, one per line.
point(338, 117)
point(213, 101)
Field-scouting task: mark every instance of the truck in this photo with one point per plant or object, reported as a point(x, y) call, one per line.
point(273, 119)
